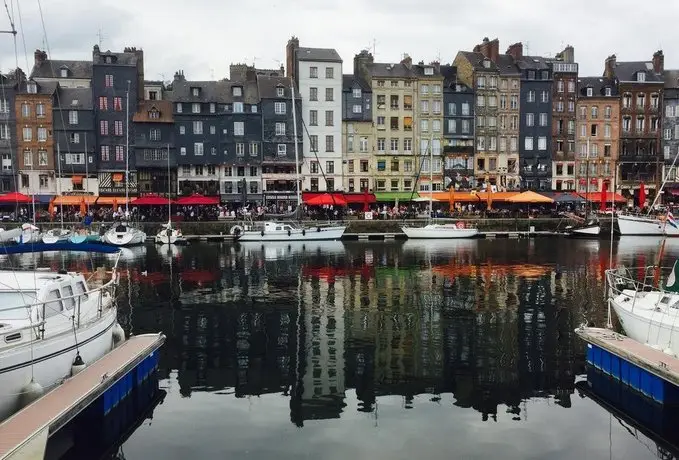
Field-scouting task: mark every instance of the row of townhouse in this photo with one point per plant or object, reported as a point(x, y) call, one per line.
point(506, 121)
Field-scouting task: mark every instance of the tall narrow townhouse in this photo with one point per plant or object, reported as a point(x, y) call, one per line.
point(430, 127)
point(458, 131)
point(564, 99)
point(535, 122)
point(641, 85)
point(394, 103)
point(598, 133)
point(480, 72)
point(117, 88)
point(357, 133)
point(318, 74)
point(9, 84)
point(671, 129)
point(35, 146)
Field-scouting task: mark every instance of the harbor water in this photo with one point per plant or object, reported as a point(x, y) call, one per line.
point(391, 350)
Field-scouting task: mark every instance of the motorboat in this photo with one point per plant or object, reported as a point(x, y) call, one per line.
point(440, 231)
point(11, 235)
point(633, 225)
point(169, 235)
point(29, 234)
point(590, 229)
point(52, 324)
point(123, 234)
point(84, 236)
point(286, 231)
point(56, 234)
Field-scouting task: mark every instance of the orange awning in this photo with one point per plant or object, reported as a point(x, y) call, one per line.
point(468, 197)
point(77, 180)
point(74, 200)
point(108, 200)
point(117, 177)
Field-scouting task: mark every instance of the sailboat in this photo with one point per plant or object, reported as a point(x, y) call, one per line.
point(60, 234)
point(124, 234)
point(433, 230)
point(169, 235)
point(289, 231)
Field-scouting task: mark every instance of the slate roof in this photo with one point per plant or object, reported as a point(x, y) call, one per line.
point(267, 87)
point(450, 81)
point(385, 70)
point(349, 82)
point(47, 87)
point(318, 54)
point(476, 60)
point(51, 68)
point(66, 96)
point(671, 78)
point(506, 65)
point(212, 91)
point(597, 84)
point(532, 63)
point(626, 71)
point(126, 59)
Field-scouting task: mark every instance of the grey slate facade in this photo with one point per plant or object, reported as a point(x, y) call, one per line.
point(154, 148)
point(458, 131)
point(113, 75)
point(670, 119)
point(8, 131)
point(350, 99)
point(73, 122)
point(278, 151)
point(535, 123)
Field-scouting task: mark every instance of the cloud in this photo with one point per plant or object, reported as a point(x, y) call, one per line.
point(203, 37)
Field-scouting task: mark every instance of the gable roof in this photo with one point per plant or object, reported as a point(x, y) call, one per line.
point(476, 60)
point(162, 106)
point(267, 85)
point(318, 54)
point(506, 65)
point(349, 82)
point(51, 68)
point(73, 98)
point(627, 71)
point(45, 87)
point(598, 84)
point(212, 91)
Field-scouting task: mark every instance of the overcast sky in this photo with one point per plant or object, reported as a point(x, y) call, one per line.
point(203, 37)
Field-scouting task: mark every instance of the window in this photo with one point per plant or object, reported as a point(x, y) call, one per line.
point(626, 124)
point(640, 124)
point(530, 97)
point(543, 119)
point(381, 144)
point(329, 143)
point(607, 112)
point(25, 110)
point(313, 143)
point(393, 123)
point(313, 72)
point(237, 91)
point(329, 119)
point(560, 86)
point(571, 86)
point(424, 106)
point(182, 151)
point(313, 117)
point(357, 108)
point(6, 162)
point(356, 92)
point(42, 134)
point(238, 107)
point(590, 92)
point(607, 131)
point(42, 157)
point(503, 102)
point(40, 110)
point(213, 129)
point(280, 129)
point(571, 106)
point(436, 106)
point(118, 104)
point(627, 100)
point(28, 158)
point(480, 100)
point(545, 96)
point(408, 144)
point(530, 119)
point(641, 76)
point(118, 128)
point(195, 107)
point(363, 143)
point(452, 126)
point(465, 126)
point(330, 167)
point(108, 82)
point(73, 158)
point(281, 150)
point(329, 94)
point(424, 89)
point(668, 134)
point(424, 125)
point(4, 106)
point(254, 149)
point(452, 108)
point(465, 109)
point(481, 82)
point(641, 100)
point(74, 138)
point(313, 94)
point(72, 117)
point(394, 145)
point(528, 143)
point(182, 130)
point(595, 112)
point(105, 153)
point(513, 144)
point(154, 134)
point(240, 149)
point(197, 127)
point(120, 153)
point(514, 102)
point(542, 143)
point(27, 134)
point(179, 107)
point(669, 111)
point(238, 128)
point(329, 73)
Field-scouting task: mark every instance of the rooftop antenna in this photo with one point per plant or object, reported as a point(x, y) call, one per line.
point(100, 37)
point(212, 74)
point(373, 46)
point(528, 48)
point(438, 56)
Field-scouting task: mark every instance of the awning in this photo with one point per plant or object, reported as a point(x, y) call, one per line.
point(76, 180)
point(117, 177)
point(74, 200)
point(43, 199)
point(359, 198)
point(473, 197)
point(389, 197)
point(306, 196)
point(595, 197)
point(108, 200)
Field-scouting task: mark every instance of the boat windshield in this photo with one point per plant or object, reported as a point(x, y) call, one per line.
point(10, 303)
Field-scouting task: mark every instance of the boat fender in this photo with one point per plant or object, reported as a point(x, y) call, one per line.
point(30, 393)
point(118, 334)
point(460, 224)
point(289, 233)
point(236, 230)
point(262, 233)
point(78, 365)
point(318, 229)
point(303, 231)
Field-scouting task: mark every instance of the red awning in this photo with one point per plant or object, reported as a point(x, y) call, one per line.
point(15, 197)
point(360, 198)
point(327, 199)
point(197, 199)
point(595, 197)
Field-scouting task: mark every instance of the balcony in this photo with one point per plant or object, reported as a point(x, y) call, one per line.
point(468, 149)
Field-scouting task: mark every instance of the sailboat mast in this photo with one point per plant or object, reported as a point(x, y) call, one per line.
point(169, 186)
point(294, 128)
point(87, 178)
point(61, 203)
point(127, 148)
point(431, 175)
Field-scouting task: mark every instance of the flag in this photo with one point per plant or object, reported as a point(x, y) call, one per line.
point(670, 219)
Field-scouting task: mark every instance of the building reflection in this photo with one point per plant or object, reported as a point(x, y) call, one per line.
point(492, 329)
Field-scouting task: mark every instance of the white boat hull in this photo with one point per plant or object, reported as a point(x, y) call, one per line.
point(296, 234)
point(645, 226)
point(28, 236)
point(172, 237)
point(590, 231)
point(55, 236)
point(130, 237)
point(52, 359)
point(439, 232)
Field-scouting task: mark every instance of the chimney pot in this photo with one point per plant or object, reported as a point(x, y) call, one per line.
point(658, 62)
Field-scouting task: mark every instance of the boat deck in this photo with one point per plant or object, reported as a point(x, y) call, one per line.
point(29, 428)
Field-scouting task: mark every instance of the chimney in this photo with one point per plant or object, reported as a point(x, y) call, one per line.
point(95, 54)
point(568, 55)
point(282, 71)
point(489, 48)
point(140, 73)
point(179, 76)
point(658, 62)
point(238, 72)
point(407, 61)
point(40, 57)
point(291, 57)
point(437, 66)
point(609, 71)
point(361, 62)
point(516, 50)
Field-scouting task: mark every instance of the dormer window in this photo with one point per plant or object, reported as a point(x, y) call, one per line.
point(195, 92)
point(108, 59)
point(74, 102)
point(63, 72)
point(357, 93)
point(486, 63)
point(429, 71)
point(641, 76)
point(280, 91)
point(154, 114)
point(237, 91)
point(608, 91)
point(590, 92)
point(32, 88)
